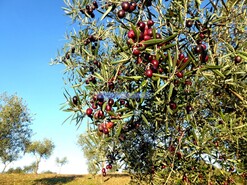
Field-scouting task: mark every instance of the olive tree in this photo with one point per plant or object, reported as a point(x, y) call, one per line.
point(40, 149)
point(163, 83)
point(15, 131)
point(61, 162)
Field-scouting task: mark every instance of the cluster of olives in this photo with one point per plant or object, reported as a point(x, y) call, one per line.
point(126, 7)
point(89, 9)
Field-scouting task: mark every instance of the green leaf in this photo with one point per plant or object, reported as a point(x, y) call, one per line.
point(97, 75)
point(170, 91)
point(144, 82)
point(104, 106)
point(121, 61)
point(159, 75)
point(242, 56)
point(198, 3)
point(219, 73)
point(129, 114)
point(122, 109)
point(171, 37)
point(137, 32)
point(161, 88)
point(164, 47)
point(153, 41)
point(170, 63)
point(119, 129)
point(106, 13)
point(242, 53)
point(144, 119)
point(212, 67)
point(191, 56)
point(131, 77)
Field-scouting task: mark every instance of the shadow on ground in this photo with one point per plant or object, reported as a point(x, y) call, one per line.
point(55, 180)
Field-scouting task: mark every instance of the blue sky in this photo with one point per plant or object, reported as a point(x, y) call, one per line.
point(30, 35)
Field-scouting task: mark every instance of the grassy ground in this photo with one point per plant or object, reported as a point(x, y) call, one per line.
point(54, 179)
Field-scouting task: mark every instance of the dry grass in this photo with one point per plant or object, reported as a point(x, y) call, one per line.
point(54, 179)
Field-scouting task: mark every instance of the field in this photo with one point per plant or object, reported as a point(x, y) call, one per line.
point(54, 179)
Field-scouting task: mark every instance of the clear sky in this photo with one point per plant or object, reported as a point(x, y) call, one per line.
point(31, 32)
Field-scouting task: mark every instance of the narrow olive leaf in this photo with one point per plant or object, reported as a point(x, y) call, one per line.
point(164, 47)
point(242, 53)
point(106, 13)
point(198, 3)
point(231, 4)
point(137, 32)
point(122, 109)
point(161, 88)
point(79, 71)
point(131, 77)
point(144, 119)
point(170, 37)
point(76, 85)
point(212, 67)
point(144, 82)
point(242, 56)
point(87, 52)
point(219, 73)
point(119, 128)
point(153, 41)
point(104, 71)
point(191, 56)
point(154, 33)
point(170, 91)
point(68, 110)
point(170, 63)
point(241, 126)
point(104, 106)
point(127, 115)
point(124, 55)
point(229, 46)
point(66, 119)
point(121, 61)
point(159, 75)
point(237, 95)
point(97, 75)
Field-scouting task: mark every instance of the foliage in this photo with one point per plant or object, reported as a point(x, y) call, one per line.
point(61, 162)
point(94, 154)
point(15, 170)
point(41, 149)
point(89, 145)
point(25, 170)
point(176, 72)
point(15, 129)
point(30, 168)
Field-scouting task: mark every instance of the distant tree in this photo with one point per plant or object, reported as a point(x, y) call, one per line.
point(16, 170)
point(61, 162)
point(41, 149)
point(88, 145)
point(15, 132)
point(30, 168)
point(94, 155)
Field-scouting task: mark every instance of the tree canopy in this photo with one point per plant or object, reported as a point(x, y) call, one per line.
point(15, 131)
point(41, 149)
point(164, 85)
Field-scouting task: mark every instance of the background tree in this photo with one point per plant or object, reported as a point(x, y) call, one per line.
point(61, 162)
point(41, 150)
point(164, 83)
point(95, 155)
point(89, 145)
point(15, 129)
point(30, 168)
